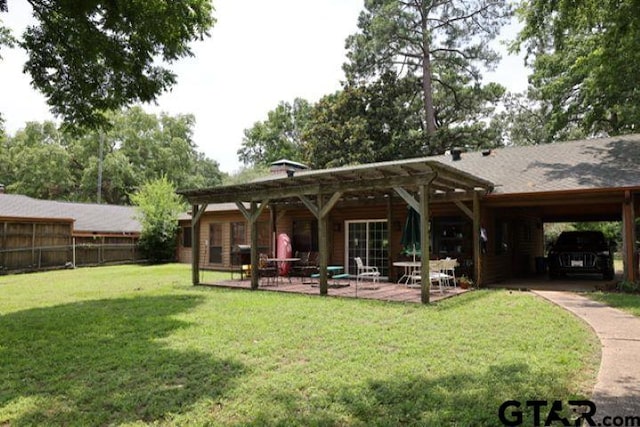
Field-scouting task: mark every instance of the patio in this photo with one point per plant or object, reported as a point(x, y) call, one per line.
point(385, 291)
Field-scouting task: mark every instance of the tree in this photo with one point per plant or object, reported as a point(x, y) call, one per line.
point(443, 43)
point(585, 57)
point(158, 208)
point(89, 57)
point(524, 121)
point(35, 163)
point(247, 174)
point(277, 137)
point(365, 123)
point(42, 161)
point(141, 147)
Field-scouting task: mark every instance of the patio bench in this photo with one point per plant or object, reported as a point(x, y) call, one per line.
point(333, 279)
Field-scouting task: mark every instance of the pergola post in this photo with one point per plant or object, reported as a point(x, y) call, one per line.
point(392, 244)
point(629, 237)
point(425, 281)
point(252, 216)
point(321, 212)
point(323, 246)
point(196, 215)
point(254, 248)
point(477, 252)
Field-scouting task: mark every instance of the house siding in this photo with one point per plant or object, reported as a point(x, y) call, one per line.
point(393, 213)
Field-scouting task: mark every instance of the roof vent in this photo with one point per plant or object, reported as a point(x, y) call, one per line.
point(456, 153)
point(486, 152)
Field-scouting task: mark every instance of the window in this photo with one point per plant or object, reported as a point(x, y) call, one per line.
point(369, 240)
point(215, 243)
point(238, 234)
point(502, 237)
point(263, 237)
point(305, 235)
point(186, 237)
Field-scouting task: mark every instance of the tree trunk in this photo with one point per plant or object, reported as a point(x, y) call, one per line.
point(427, 83)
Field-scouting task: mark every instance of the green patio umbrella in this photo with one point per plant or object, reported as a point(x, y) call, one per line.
point(411, 234)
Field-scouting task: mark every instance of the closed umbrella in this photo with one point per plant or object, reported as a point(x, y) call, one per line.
point(411, 234)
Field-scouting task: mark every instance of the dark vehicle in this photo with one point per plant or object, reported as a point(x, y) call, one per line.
point(581, 252)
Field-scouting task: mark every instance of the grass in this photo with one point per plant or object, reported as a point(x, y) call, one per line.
point(624, 301)
point(139, 346)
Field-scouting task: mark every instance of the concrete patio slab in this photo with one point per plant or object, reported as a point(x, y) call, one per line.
point(383, 291)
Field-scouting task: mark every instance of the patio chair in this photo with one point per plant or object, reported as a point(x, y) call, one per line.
point(306, 266)
point(448, 268)
point(435, 275)
point(267, 270)
point(366, 272)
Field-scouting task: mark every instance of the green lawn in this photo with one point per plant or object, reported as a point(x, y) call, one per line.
point(133, 345)
point(627, 302)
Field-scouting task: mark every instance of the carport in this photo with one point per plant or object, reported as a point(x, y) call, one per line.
point(576, 181)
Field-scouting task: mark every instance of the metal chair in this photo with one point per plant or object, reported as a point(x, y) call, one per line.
point(267, 270)
point(366, 271)
point(435, 275)
point(448, 268)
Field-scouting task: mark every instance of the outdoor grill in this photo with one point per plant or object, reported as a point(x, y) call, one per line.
point(240, 256)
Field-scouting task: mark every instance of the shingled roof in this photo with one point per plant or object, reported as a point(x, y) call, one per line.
point(576, 165)
point(88, 217)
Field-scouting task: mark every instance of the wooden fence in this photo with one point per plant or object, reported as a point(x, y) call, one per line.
point(32, 246)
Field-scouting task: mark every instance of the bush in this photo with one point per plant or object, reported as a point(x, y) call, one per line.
point(628, 286)
point(158, 209)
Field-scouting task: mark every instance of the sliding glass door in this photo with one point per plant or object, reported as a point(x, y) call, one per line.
point(368, 240)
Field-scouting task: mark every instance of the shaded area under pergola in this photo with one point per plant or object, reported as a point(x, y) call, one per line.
point(416, 181)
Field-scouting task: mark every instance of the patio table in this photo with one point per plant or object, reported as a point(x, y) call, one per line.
point(279, 263)
point(409, 268)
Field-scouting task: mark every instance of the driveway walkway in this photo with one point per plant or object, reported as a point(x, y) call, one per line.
point(617, 389)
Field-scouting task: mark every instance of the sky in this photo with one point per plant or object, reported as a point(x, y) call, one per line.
point(259, 54)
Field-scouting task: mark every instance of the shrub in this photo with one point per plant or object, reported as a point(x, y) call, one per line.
point(628, 286)
point(158, 209)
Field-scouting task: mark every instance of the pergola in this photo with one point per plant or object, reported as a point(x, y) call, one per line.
point(417, 181)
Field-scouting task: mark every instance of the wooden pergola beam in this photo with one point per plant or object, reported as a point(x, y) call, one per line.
point(408, 198)
point(295, 191)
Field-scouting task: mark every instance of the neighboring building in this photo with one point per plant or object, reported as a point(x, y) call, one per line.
point(37, 234)
point(487, 209)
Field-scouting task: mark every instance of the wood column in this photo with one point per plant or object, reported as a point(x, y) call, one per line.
point(252, 216)
point(255, 262)
point(195, 244)
point(425, 286)
point(629, 237)
point(5, 228)
point(392, 246)
point(477, 251)
point(321, 210)
point(323, 246)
